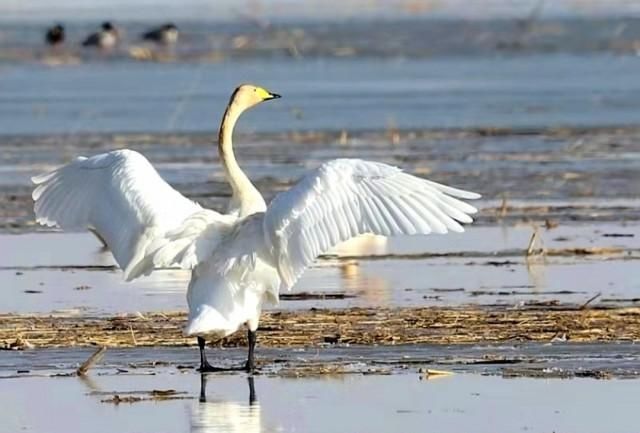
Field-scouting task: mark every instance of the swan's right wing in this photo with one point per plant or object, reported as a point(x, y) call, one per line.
point(348, 197)
point(119, 195)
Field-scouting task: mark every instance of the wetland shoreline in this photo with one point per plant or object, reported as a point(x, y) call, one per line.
point(322, 327)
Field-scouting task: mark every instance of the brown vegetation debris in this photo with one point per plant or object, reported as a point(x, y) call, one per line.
point(432, 325)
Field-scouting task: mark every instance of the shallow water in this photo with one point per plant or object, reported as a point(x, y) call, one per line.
point(367, 403)
point(42, 249)
point(387, 283)
point(68, 272)
point(323, 94)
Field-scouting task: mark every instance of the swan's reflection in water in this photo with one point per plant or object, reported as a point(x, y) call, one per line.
point(371, 289)
point(363, 245)
point(218, 416)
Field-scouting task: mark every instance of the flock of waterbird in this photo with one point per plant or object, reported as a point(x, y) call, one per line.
point(240, 260)
point(108, 35)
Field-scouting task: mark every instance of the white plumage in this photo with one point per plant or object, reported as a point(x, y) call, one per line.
point(349, 197)
point(239, 260)
point(119, 195)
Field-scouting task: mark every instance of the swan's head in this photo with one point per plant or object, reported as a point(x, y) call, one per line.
point(248, 95)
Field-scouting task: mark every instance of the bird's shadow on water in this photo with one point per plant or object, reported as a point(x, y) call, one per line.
point(223, 415)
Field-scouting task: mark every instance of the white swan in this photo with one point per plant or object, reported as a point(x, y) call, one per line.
point(242, 259)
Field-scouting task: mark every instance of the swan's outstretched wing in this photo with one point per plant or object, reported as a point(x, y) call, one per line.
point(119, 195)
point(348, 197)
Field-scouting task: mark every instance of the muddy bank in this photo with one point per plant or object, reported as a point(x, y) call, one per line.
point(579, 174)
point(319, 327)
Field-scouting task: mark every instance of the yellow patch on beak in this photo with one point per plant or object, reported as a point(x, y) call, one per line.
point(265, 94)
point(262, 93)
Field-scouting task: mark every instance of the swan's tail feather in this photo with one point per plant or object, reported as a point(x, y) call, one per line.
point(207, 321)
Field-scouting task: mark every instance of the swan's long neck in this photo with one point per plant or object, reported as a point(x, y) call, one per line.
point(246, 199)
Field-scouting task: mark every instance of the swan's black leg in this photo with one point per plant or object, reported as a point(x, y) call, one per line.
point(251, 338)
point(203, 356)
point(205, 367)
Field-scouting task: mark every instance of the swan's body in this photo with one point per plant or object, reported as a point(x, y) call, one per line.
point(242, 259)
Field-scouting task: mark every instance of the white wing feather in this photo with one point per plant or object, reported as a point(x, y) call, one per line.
point(119, 195)
point(348, 197)
point(192, 242)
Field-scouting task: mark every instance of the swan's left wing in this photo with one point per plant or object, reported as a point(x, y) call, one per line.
point(117, 194)
point(344, 198)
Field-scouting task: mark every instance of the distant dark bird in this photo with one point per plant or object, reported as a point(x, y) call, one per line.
point(166, 34)
point(55, 35)
point(107, 37)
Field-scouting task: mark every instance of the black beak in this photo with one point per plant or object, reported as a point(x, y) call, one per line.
point(274, 96)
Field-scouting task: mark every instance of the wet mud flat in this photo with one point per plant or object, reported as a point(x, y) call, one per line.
point(579, 174)
point(554, 360)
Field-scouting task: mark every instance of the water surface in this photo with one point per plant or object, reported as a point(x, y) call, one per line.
point(324, 94)
point(367, 403)
point(70, 273)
